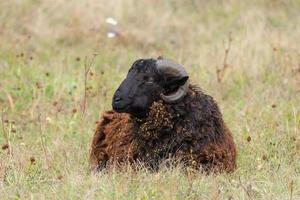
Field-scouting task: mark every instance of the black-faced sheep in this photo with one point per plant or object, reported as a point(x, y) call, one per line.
point(157, 115)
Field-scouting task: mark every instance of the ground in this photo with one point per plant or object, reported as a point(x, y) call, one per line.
point(246, 54)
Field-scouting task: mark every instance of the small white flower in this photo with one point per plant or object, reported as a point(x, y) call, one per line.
point(111, 21)
point(48, 119)
point(111, 34)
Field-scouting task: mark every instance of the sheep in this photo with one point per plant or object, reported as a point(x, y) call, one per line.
point(157, 115)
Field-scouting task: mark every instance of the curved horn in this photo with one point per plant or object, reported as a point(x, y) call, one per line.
point(166, 66)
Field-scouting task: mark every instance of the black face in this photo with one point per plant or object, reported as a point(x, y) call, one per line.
point(139, 89)
point(142, 86)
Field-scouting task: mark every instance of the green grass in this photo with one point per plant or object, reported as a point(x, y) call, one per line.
point(43, 45)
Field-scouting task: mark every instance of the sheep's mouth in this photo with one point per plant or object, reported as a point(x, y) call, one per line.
point(121, 109)
point(139, 113)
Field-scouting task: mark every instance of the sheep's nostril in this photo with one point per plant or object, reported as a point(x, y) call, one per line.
point(117, 99)
point(117, 103)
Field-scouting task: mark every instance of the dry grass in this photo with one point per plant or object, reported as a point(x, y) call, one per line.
point(42, 51)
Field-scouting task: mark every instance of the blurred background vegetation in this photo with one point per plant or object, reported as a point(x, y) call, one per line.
point(246, 54)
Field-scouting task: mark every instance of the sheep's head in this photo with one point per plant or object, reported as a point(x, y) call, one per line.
point(149, 80)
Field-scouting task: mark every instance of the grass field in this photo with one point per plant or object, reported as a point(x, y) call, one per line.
point(246, 54)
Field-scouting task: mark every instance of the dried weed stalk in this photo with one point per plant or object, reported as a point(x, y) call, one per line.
point(225, 66)
point(6, 135)
point(42, 142)
point(87, 67)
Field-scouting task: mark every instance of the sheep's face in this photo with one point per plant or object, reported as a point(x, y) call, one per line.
point(139, 89)
point(142, 86)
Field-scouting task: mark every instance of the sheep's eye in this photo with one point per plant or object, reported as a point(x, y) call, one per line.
point(148, 80)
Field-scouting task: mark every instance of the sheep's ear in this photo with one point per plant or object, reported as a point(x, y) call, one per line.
point(173, 83)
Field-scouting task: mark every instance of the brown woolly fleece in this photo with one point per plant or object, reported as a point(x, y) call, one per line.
point(191, 131)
